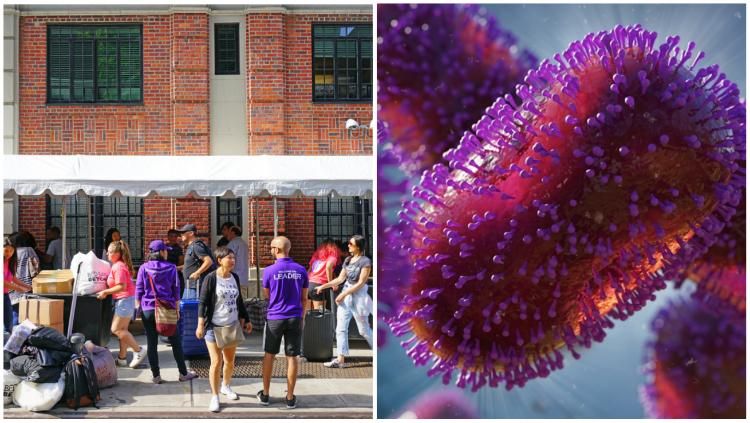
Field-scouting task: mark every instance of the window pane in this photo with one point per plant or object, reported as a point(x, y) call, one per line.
point(226, 48)
point(348, 76)
point(94, 63)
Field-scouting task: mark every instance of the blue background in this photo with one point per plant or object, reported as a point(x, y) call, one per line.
point(604, 383)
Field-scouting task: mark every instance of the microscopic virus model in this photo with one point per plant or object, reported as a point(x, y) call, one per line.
point(393, 261)
point(568, 208)
point(441, 404)
point(439, 67)
point(695, 364)
point(720, 273)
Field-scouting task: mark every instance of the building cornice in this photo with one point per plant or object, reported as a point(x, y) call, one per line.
point(113, 11)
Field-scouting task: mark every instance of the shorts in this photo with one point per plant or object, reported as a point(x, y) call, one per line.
point(290, 329)
point(209, 335)
point(125, 307)
point(317, 297)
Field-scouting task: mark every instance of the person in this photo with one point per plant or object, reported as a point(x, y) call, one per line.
point(285, 286)
point(175, 255)
point(222, 242)
point(28, 262)
point(120, 287)
point(10, 281)
point(353, 301)
point(113, 234)
point(163, 275)
point(238, 245)
point(221, 305)
point(321, 271)
point(198, 259)
point(53, 257)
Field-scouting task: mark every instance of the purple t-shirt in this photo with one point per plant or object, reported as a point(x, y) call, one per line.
point(285, 279)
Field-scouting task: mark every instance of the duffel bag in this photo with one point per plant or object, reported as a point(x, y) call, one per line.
point(104, 365)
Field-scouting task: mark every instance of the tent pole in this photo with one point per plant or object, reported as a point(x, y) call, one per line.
point(64, 231)
point(257, 248)
point(275, 218)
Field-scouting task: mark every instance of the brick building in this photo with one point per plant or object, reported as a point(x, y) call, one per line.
point(170, 80)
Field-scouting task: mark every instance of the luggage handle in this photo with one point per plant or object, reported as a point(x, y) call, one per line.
point(71, 317)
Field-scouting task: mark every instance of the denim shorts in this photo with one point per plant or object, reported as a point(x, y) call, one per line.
point(125, 307)
point(209, 335)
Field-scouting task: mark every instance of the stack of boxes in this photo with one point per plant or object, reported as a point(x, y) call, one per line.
point(42, 311)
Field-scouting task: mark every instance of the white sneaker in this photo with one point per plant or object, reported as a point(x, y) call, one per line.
point(121, 362)
point(229, 392)
point(213, 406)
point(138, 357)
point(335, 364)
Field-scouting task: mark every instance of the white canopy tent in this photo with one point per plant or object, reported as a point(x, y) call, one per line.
point(180, 176)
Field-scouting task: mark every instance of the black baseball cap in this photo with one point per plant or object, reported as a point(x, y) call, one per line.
point(188, 228)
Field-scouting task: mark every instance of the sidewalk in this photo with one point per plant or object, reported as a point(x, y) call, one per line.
point(135, 396)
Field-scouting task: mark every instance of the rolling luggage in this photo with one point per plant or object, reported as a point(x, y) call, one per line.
point(191, 346)
point(317, 336)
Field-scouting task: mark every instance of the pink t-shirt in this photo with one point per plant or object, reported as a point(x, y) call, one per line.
point(7, 277)
point(120, 273)
point(317, 273)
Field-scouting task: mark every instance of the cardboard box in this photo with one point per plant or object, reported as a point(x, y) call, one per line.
point(42, 311)
point(59, 327)
point(53, 282)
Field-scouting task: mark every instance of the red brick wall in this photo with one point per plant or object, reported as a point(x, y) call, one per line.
point(33, 217)
point(296, 222)
point(282, 117)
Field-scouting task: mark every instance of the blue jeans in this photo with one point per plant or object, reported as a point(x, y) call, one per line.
point(343, 315)
point(7, 314)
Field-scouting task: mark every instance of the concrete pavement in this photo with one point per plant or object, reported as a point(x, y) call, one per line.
point(135, 396)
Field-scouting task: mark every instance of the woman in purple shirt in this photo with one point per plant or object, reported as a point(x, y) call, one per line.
point(163, 274)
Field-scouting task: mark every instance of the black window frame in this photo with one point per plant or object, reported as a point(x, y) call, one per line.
point(94, 209)
point(361, 216)
point(236, 27)
point(95, 86)
point(228, 217)
point(358, 40)
point(74, 210)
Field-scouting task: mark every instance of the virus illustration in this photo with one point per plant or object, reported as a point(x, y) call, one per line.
point(392, 258)
point(439, 67)
point(441, 404)
point(569, 207)
point(696, 363)
point(720, 272)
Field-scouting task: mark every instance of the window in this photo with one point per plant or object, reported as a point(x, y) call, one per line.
point(94, 63)
point(77, 220)
point(228, 210)
point(227, 49)
point(340, 218)
point(342, 62)
point(123, 213)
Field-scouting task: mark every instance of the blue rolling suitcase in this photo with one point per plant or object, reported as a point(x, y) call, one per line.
point(191, 346)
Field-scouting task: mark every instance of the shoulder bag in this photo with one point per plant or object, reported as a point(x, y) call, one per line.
point(165, 314)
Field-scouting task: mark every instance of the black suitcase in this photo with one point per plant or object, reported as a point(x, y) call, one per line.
point(317, 336)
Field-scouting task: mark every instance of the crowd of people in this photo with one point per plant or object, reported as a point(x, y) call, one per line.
point(184, 266)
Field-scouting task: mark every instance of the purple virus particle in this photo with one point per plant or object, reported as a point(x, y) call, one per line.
point(441, 404)
point(695, 364)
point(569, 207)
point(439, 67)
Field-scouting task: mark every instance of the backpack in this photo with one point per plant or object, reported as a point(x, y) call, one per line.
point(81, 386)
point(195, 256)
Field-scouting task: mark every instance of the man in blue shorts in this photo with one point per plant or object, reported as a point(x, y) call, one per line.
point(285, 285)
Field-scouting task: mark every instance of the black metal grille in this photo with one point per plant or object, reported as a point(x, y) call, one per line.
point(251, 367)
point(342, 62)
point(227, 48)
point(123, 213)
point(77, 215)
point(94, 63)
point(340, 218)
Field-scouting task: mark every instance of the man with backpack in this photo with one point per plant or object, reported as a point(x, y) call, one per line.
point(198, 258)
